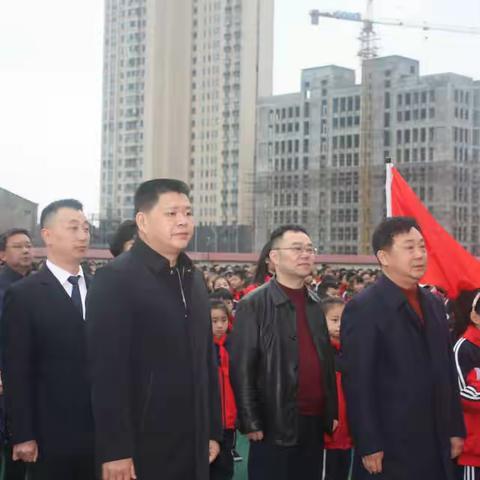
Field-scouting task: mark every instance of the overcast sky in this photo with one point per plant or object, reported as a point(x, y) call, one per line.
point(51, 76)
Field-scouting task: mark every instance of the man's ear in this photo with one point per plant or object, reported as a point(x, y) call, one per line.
point(45, 234)
point(140, 218)
point(382, 257)
point(273, 256)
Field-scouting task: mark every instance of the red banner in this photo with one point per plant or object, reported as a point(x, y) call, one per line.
point(450, 266)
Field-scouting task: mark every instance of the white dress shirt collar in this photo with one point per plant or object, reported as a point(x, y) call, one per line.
point(60, 274)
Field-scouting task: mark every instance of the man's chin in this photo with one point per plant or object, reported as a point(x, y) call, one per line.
point(418, 275)
point(180, 246)
point(80, 254)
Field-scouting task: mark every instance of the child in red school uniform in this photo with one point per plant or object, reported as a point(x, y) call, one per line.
point(338, 446)
point(467, 360)
point(222, 467)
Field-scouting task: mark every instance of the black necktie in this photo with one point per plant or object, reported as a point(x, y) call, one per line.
point(76, 297)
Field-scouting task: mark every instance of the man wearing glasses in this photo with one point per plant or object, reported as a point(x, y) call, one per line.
point(16, 253)
point(282, 367)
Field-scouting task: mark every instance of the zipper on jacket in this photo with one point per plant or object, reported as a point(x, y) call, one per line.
point(181, 289)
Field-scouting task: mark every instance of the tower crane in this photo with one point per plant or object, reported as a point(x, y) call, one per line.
point(369, 50)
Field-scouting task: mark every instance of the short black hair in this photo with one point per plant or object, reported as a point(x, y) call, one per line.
point(330, 281)
point(148, 192)
point(385, 232)
point(327, 282)
point(10, 233)
point(239, 272)
point(125, 232)
point(54, 207)
point(328, 302)
point(221, 294)
point(220, 305)
point(280, 232)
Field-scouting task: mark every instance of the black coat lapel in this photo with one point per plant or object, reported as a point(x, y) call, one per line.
point(48, 279)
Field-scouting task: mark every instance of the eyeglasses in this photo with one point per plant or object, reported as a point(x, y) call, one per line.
point(18, 246)
point(298, 250)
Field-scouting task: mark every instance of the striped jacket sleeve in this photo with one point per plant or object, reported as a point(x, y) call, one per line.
point(468, 375)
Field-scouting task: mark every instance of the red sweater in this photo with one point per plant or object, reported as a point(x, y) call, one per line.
point(413, 297)
point(310, 394)
point(341, 438)
point(229, 407)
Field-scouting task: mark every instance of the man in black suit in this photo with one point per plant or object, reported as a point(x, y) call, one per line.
point(16, 253)
point(45, 368)
point(154, 378)
point(400, 384)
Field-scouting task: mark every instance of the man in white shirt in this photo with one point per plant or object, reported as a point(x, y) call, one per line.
point(45, 365)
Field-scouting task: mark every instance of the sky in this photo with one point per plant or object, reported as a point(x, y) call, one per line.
point(51, 76)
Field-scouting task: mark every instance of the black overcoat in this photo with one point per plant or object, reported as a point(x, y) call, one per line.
point(400, 384)
point(45, 368)
point(154, 377)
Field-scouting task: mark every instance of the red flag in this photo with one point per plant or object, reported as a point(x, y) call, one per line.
point(450, 266)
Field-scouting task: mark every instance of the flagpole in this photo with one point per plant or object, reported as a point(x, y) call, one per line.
point(388, 186)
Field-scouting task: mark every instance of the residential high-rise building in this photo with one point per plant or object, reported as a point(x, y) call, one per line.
point(123, 148)
point(308, 165)
point(181, 82)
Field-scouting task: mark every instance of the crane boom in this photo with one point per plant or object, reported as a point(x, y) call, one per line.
point(357, 17)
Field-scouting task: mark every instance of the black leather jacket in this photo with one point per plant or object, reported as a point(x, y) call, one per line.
point(264, 363)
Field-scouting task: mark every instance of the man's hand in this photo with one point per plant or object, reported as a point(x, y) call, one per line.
point(25, 452)
point(335, 425)
point(373, 463)
point(119, 470)
point(255, 436)
point(213, 450)
point(456, 446)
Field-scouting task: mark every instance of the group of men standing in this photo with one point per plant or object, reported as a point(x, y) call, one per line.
point(116, 376)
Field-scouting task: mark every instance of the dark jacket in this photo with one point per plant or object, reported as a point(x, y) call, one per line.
point(45, 367)
point(264, 358)
point(467, 361)
point(154, 374)
point(400, 382)
point(8, 276)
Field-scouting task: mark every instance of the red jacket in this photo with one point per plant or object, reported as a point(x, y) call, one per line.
point(229, 407)
point(341, 438)
point(467, 358)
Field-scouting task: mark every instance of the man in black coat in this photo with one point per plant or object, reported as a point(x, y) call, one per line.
point(16, 253)
point(400, 385)
point(155, 388)
point(45, 366)
point(282, 367)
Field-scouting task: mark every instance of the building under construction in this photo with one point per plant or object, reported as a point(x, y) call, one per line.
point(318, 164)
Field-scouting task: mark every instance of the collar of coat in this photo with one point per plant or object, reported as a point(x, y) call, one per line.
point(10, 274)
point(394, 295)
point(280, 297)
point(155, 261)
